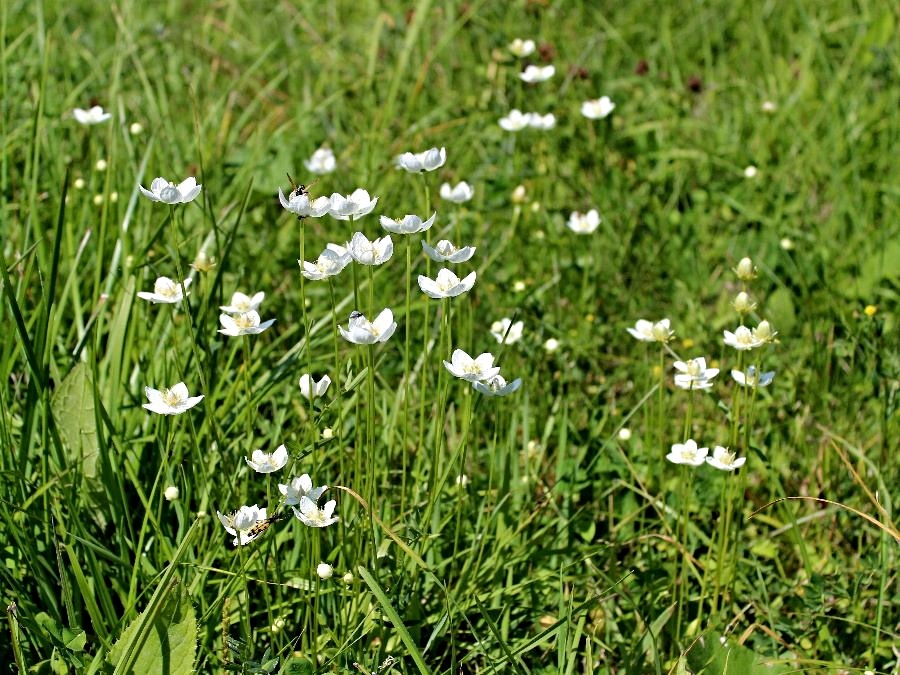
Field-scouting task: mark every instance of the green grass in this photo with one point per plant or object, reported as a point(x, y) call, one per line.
point(571, 549)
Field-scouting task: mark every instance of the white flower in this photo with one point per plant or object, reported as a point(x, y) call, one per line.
point(299, 203)
point(752, 378)
point(418, 162)
point(745, 270)
point(584, 223)
point(533, 74)
point(521, 48)
point(597, 109)
point(515, 120)
point(497, 386)
point(506, 331)
point(166, 192)
point(694, 374)
point(463, 366)
point(324, 570)
point(445, 251)
point(459, 193)
point(409, 224)
point(241, 303)
point(361, 331)
point(764, 333)
point(743, 304)
point(355, 205)
point(446, 284)
point(651, 332)
point(741, 339)
point(165, 290)
point(367, 252)
point(172, 493)
point(265, 462)
point(244, 524)
point(172, 401)
point(321, 162)
point(300, 487)
point(309, 388)
point(245, 323)
point(687, 453)
point(312, 516)
point(725, 460)
point(331, 261)
point(91, 116)
point(750, 171)
point(544, 122)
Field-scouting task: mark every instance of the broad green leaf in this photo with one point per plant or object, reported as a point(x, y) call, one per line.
point(73, 409)
point(298, 666)
point(711, 656)
point(779, 309)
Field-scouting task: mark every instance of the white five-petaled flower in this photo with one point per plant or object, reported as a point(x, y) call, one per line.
point(173, 401)
point(312, 516)
point(752, 378)
point(584, 223)
point(446, 284)
point(497, 386)
point(741, 339)
point(167, 192)
point(725, 459)
point(245, 323)
point(506, 331)
point(242, 523)
point(687, 453)
point(459, 193)
point(516, 120)
point(91, 116)
point(538, 121)
point(522, 48)
point(479, 369)
point(445, 251)
point(241, 303)
point(533, 74)
point(309, 388)
point(321, 162)
point(331, 262)
point(165, 290)
point(408, 224)
point(694, 374)
point(266, 462)
point(417, 162)
point(361, 331)
point(367, 252)
point(646, 331)
point(299, 203)
point(597, 109)
point(355, 205)
point(300, 487)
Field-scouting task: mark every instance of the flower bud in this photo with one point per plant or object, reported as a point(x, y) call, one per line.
point(324, 570)
point(347, 578)
point(551, 345)
point(519, 195)
point(135, 128)
point(79, 183)
point(745, 270)
point(764, 333)
point(327, 433)
point(100, 165)
point(171, 493)
point(743, 304)
point(624, 434)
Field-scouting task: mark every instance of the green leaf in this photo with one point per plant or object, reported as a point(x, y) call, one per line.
point(73, 409)
point(779, 309)
point(710, 656)
point(298, 666)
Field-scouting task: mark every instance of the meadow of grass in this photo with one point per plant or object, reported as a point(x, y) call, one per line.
point(539, 532)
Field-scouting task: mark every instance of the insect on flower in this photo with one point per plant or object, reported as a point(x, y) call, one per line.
point(298, 190)
point(260, 527)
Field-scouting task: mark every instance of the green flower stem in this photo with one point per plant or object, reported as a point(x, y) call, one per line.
point(660, 399)
point(407, 374)
point(339, 395)
point(311, 428)
point(370, 448)
point(245, 370)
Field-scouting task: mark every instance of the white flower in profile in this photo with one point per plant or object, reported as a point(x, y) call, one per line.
point(534, 74)
point(725, 460)
point(408, 224)
point(300, 487)
point(245, 323)
point(165, 291)
point(752, 378)
point(331, 262)
point(743, 304)
point(694, 374)
point(173, 401)
point(241, 303)
point(266, 462)
point(741, 339)
point(309, 388)
point(91, 116)
point(445, 251)
point(745, 270)
point(312, 516)
point(459, 193)
point(446, 284)
point(167, 192)
point(367, 252)
point(497, 386)
point(321, 162)
point(543, 122)
point(687, 453)
point(584, 223)
point(764, 333)
point(522, 48)
point(597, 109)
point(646, 331)
point(515, 120)
point(300, 204)
point(507, 332)
point(355, 205)
point(417, 162)
point(361, 331)
point(479, 369)
point(244, 524)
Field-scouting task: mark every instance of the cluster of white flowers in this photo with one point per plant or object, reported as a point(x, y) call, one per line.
point(688, 453)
